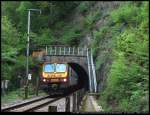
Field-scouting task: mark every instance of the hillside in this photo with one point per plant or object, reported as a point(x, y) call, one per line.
point(116, 31)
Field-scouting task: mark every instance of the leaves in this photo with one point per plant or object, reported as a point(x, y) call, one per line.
point(84, 6)
point(127, 81)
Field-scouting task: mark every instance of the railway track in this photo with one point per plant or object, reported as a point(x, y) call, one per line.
point(69, 102)
point(30, 105)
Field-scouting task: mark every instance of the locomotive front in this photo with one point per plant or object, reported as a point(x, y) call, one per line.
point(54, 73)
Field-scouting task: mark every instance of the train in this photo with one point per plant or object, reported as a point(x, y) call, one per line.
point(57, 77)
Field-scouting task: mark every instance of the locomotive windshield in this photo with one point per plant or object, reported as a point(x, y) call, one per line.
point(60, 67)
point(49, 68)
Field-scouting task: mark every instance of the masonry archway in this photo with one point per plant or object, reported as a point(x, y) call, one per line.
point(80, 60)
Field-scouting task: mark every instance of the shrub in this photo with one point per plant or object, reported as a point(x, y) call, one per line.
point(125, 13)
point(127, 81)
point(98, 36)
point(71, 35)
point(91, 19)
point(84, 6)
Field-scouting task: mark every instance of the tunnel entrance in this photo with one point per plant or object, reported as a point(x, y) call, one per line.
point(83, 79)
point(79, 59)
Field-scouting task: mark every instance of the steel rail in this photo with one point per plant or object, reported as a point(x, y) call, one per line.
point(48, 102)
point(42, 105)
point(22, 104)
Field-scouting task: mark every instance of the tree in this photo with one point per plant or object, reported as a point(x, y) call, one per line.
point(10, 40)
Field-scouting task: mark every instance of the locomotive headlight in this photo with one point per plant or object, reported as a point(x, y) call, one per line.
point(65, 80)
point(44, 80)
point(43, 74)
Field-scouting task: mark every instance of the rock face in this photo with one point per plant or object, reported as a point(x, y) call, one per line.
point(105, 44)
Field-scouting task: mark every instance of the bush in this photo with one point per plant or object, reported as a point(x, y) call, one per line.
point(91, 19)
point(125, 13)
point(84, 6)
point(46, 37)
point(98, 37)
point(71, 35)
point(125, 105)
point(127, 82)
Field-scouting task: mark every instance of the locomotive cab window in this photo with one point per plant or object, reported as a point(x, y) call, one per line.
point(49, 68)
point(60, 68)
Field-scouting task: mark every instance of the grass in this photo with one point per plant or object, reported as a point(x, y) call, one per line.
point(10, 97)
point(83, 106)
point(17, 95)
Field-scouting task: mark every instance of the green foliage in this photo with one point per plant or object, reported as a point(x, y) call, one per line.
point(14, 19)
point(8, 9)
point(98, 37)
point(22, 11)
point(125, 105)
point(84, 6)
point(10, 40)
point(6, 71)
point(127, 83)
point(9, 33)
point(52, 12)
point(59, 25)
point(90, 19)
point(129, 13)
point(10, 97)
point(8, 54)
point(46, 37)
point(99, 62)
point(71, 35)
point(18, 94)
point(124, 13)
